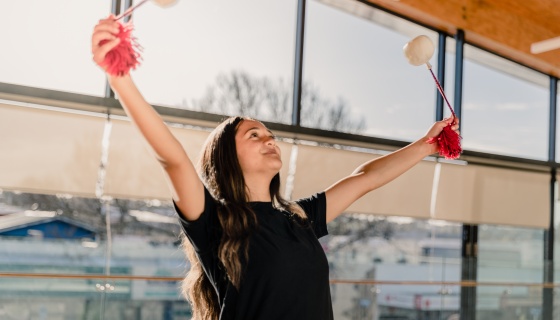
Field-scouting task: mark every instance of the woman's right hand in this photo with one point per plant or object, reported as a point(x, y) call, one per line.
point(104, 39)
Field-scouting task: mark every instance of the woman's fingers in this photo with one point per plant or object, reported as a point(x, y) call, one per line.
point(103, 31)
point(100, 53)
point(97, 37)
point(104, 38)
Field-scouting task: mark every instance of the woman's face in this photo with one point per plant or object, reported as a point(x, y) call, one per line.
point(257, 151)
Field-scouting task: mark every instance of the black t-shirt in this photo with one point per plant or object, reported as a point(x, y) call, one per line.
point(287, 276)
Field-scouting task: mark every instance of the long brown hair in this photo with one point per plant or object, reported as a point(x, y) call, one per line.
point(221, 173)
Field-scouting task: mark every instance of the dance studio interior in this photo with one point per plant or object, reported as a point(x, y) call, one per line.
point(88, 229)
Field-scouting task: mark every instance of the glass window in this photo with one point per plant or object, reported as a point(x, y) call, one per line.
point(514, 255)
point(145, 241)
point(557, 155)
point(226, 57)
point(90, 298)
point(556, 244)
point(356, 78)
point(49, 44)
point(47, 233)
point(41, 233)
point(505, 107)
point(449, 84)
point(376, 248)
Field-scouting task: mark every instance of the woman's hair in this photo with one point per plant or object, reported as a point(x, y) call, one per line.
point(221, 173)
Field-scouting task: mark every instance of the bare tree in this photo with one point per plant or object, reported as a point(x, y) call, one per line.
point(240, 93)
point(277, 100)
point(319, 112)
point(237, 93)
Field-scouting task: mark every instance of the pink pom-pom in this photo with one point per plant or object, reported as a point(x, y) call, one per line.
point(449, 143)
point(126, 55)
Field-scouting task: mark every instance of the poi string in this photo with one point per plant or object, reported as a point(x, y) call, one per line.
point(129, 10)
point(161, 3)
point(418, 51)
point(440, 89)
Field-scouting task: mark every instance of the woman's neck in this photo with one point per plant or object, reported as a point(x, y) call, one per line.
point(258, 190)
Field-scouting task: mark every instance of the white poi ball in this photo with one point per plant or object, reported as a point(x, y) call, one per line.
point(165, 3)
point(419, 50)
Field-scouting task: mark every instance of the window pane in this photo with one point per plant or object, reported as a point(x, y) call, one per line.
point(368, 247)
point(505, 107)
point(508, 254)
point(50, 44)
point(356, 78)
point(54, 234)
point(145, 242)
point(227, 57)
point(449, 84)
point(557, 155)
point(90, 298)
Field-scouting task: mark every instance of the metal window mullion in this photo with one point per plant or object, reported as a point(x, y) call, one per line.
point(116, 10)
point(549, 234)
point(469, 251)
point(440, 74)
point(298, 63)
point(459, 47)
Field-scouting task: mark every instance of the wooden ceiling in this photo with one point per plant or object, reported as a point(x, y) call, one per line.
point(506, 27)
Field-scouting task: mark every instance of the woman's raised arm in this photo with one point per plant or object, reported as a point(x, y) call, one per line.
point(186, 187)
point(378, 172)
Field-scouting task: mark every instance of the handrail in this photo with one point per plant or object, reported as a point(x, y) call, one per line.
point(332, 281)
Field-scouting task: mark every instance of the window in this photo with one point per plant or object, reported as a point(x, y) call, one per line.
point(224, 57)
point(356, 78)
point(505, 107)
point(48, 44)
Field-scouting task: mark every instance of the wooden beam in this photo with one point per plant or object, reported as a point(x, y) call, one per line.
point(505, 27)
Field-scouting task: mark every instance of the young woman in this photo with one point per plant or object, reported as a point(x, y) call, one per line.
point(253, 254)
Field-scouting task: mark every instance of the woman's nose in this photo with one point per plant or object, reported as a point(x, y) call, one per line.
point(270, 141)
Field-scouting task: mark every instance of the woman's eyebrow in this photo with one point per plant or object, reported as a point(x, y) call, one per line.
point(257, 128)
point(253, 128)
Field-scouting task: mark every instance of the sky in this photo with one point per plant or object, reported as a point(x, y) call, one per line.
point(186, 46)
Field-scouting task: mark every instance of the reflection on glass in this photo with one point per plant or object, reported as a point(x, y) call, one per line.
point(22, 298)
point(146, 240)
point(367, 247)
point(226, 57)
point(50, 44)
point(51, 234)
point(508, 254)
point(505, 107)
point(62, 234)
point(397, 302)
point(356, 78)
point(449, 75)
point(557, 155)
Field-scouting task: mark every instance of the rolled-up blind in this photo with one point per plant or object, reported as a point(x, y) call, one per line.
point(133, 171)
point(47, 151)
point(409, 195)
point(488, 195)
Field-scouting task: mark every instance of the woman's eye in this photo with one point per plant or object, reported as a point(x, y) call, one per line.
point(254, 134)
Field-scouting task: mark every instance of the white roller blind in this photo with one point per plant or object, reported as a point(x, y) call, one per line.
point(488, 195)
point(49, 151)
point(133, 171)
point(409, 195)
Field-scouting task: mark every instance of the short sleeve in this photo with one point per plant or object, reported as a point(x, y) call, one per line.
point(315, 208)
point(204, 232)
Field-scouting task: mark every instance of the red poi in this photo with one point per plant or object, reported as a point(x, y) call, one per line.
point(418, 51)
point(126, 55)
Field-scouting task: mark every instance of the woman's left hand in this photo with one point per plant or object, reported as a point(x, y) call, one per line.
point(436, 129)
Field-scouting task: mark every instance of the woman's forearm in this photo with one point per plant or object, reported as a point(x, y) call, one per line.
point(387, 168)
point(165, 146)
